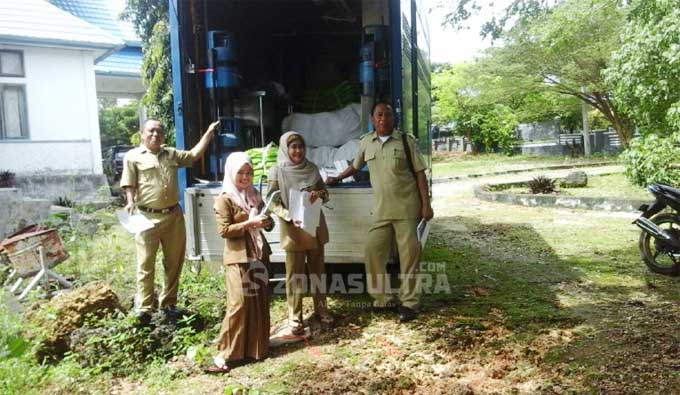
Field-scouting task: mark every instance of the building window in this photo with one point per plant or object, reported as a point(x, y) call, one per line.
point(11, 63)
point(13, 117)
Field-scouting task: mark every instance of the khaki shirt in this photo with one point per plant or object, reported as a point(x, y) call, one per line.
point(394, 186)
point(154, 175)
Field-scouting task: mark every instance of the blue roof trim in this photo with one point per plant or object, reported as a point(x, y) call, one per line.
point(127, 62)
point(33, 41)
point(100, 14)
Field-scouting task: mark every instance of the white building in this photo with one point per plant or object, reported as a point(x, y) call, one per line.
point(48, 97)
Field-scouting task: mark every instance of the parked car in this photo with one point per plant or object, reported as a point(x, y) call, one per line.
point(113, 165)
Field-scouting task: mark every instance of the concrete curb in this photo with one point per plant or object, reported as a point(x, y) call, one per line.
point(497, 173)
point(589, 203)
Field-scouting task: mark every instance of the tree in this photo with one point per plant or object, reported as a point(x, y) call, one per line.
point(118, 123)
point(150, 18)
point(645, 71)
point(488, 125)
point(561, 48)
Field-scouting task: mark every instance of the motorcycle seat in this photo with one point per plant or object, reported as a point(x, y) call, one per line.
point(672, 192)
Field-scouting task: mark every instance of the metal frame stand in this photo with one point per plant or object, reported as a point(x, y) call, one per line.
point(44, 274)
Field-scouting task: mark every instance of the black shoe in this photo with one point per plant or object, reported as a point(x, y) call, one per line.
point(388, 307)
point(172, 313)
point(143, 319)
point(406, 314)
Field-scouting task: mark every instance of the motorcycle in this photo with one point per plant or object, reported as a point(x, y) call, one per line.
point(660, 237)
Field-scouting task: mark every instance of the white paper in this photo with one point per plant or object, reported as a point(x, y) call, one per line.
point(267, 206)
point(340, 166)
point(420, 229)
point(135, 223)
point(302, 210)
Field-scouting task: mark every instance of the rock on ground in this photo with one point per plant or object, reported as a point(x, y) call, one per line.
point(576, 179)
point(57, 319)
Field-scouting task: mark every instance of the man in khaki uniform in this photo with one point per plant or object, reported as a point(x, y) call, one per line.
point(150, 183)
point(401, 200)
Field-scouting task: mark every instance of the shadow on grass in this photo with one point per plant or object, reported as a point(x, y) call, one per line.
point(508, 268)
point(477, 278)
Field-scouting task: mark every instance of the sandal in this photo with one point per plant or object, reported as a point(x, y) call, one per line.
point(297, 329)
point(217, 370)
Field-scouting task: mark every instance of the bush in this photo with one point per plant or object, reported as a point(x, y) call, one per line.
point(542, 184)
point(19, 373)
point(650, 159)
point(7, 179)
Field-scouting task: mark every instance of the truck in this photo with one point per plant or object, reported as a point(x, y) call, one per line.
point(252, 63)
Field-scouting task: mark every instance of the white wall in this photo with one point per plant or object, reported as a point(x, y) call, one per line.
point(63, 125)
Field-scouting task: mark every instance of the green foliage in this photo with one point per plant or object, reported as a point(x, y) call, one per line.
point(117, 124)
point(517, 10)
point(650, 159)
point(150, 18)
point(458, 99)
point(116, 345)
point(645, 71)
point(18, 371)
point(558, 48)
point(329, 99)
point(541, 184)
point(113, 344)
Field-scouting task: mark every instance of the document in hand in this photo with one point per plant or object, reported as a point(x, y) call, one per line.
point(134, 224)
point(420, 230)
point(302, 210)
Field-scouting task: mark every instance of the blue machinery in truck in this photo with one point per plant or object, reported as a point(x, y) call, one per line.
point(391, 62)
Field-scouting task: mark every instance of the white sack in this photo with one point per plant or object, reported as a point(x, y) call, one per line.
point(327, 156)
point(326, 128)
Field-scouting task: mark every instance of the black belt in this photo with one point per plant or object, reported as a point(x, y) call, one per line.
point(156, 210)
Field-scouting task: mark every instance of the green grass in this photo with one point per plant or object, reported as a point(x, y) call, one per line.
point(447, 164)
point(558, 295)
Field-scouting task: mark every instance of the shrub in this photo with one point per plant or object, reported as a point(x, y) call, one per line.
point(7, 179)
point(651, 159)
point(19, 373)
point(63, 201)
point(542, 184)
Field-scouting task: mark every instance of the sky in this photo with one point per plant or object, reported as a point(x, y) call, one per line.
point(450, 46)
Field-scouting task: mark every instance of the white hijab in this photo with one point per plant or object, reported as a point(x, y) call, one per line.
point(248, 199)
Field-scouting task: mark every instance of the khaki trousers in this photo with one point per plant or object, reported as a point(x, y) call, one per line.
point(170, 234)
point(296, 280)
point(378, 248)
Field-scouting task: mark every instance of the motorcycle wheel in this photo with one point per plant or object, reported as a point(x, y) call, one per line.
point(653, 253)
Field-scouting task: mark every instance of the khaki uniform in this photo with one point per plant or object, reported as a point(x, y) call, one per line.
point(396, 215)
point(300, 245)
point(245, 328)
point(155, 178)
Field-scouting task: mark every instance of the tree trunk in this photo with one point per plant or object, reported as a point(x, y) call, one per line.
point(620, 122)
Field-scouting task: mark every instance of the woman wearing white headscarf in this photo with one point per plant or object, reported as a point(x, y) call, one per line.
point(245, 329)
point(294, 172)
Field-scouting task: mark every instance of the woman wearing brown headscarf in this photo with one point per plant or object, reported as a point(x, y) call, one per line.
point(294, 172)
